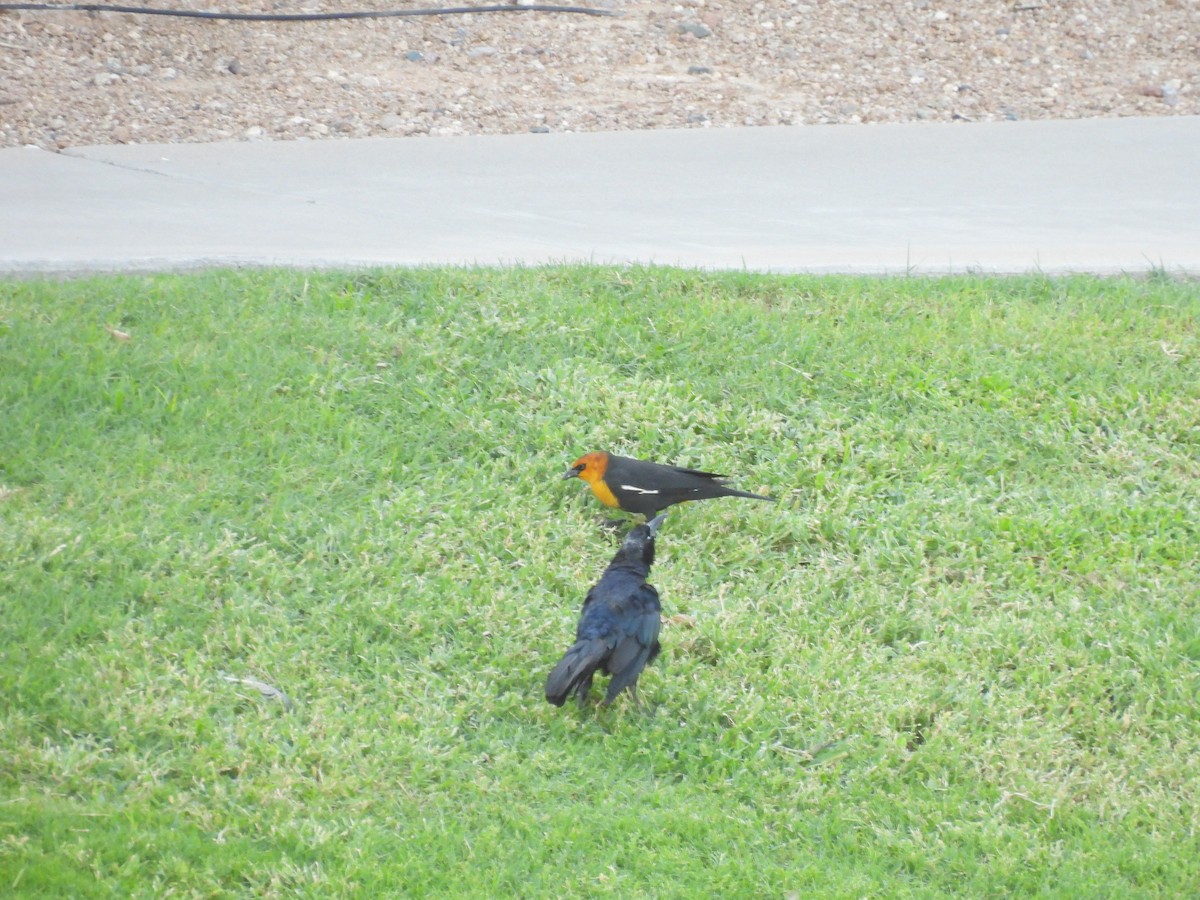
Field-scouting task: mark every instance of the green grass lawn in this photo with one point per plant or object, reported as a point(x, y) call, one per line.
point(961, 655)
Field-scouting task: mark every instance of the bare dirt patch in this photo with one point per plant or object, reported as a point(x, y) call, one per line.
point(69, 79)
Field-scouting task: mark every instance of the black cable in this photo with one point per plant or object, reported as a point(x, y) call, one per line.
point(298, 17)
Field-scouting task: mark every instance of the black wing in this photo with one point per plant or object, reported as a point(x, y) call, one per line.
point(639, 619)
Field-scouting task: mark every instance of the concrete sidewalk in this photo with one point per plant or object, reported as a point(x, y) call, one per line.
point(1098, 195)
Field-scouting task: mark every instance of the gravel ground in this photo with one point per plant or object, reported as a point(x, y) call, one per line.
point(73, 78)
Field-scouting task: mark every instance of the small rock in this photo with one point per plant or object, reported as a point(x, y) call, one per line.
point(236, 68)
point(414, 56)
point(391, 122)
point(481, 52)
point(539, 129)
point(699, 70)
point(1150, 90)
point(104, 79)
point(254, 131)
point(695, 29)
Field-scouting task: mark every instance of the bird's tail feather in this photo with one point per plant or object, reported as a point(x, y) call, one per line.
point(736, 493)
point(576, 668)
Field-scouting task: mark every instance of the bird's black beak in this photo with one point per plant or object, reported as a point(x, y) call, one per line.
point(573, 473)
point(656, 523)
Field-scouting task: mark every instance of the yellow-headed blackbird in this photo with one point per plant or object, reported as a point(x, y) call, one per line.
point(638, 486)
point(617, 632)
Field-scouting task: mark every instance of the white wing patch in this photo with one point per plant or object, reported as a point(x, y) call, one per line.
point(636, 490)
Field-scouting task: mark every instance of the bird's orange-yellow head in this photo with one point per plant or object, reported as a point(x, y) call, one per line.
point(591, 468)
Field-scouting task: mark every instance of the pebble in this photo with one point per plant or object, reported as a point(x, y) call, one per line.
point(820, 62)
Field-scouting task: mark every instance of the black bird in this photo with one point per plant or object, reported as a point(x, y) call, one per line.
point(618, 628)
point(647, 488)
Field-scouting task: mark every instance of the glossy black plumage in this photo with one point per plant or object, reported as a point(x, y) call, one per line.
point(647, 488)
point(618, 627)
